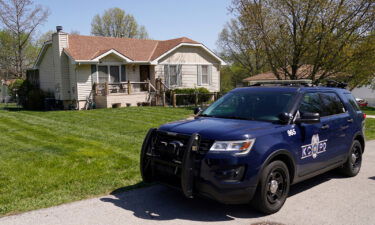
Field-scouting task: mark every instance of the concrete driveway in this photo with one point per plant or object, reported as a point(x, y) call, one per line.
point(326, 199)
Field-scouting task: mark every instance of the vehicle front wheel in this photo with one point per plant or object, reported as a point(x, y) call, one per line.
point(273, 188)
point(353, 165)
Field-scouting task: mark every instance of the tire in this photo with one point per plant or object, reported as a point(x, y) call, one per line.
point(353, 165)
point(267, 199)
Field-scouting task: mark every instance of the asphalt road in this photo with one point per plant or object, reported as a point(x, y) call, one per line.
point(326, 199)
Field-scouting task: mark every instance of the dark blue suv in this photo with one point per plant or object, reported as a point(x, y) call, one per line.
point(253, 143)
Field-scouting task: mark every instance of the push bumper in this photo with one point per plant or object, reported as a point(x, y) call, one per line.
point(195, 174)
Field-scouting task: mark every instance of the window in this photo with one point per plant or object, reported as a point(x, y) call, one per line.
point(353, 102)
point(252, 105)
point(109, 74)
point(103, 74)
point(204, 74)
point(331, 104)
point(173, 75)
point(311, 104)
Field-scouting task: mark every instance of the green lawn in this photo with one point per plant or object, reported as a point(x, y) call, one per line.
point(370, 129)
point(368, 110)
point(48, 158)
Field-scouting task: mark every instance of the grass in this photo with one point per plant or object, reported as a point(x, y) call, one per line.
point(368, 110)
point(370, 129)
point(49, 158)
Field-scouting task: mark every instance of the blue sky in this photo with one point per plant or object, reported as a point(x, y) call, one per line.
point(201, 20)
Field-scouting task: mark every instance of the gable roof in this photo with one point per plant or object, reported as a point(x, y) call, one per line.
point(91, 47)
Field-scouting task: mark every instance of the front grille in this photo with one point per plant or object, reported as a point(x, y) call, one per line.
point(164, 141)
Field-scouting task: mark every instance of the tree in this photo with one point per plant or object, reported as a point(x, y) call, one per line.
point(116, 23)
point(293, 33)
point(47, 36)
point(241, 46)
point(21, 18)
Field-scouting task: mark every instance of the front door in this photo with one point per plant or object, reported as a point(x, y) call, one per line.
point(315, 141)
point(144, 71)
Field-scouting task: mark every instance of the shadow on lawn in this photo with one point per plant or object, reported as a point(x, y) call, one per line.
point(161, 203)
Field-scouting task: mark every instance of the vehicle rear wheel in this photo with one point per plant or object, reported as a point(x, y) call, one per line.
point(353, 165)
point(273, 188)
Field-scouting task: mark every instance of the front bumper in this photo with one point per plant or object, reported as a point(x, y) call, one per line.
point(190, 168)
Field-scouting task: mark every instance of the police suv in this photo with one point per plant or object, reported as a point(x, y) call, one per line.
point(253, 143)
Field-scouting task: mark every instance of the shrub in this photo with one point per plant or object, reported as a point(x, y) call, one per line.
point(189, 99)
point(31, 97)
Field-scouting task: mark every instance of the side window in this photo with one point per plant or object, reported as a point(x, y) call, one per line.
point(331, 104)
point(311, 104)
point(353, 102)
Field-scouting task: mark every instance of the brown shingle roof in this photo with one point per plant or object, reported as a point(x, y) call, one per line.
point(90, 47)
point(303, 73)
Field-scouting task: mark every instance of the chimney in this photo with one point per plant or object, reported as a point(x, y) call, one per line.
point(59, 28)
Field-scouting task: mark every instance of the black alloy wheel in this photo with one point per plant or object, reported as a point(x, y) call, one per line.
point(273, 188)
point(353, 165)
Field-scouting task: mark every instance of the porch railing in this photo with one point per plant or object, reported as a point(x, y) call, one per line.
point(130, 87)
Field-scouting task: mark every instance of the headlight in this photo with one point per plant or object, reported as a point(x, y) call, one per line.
point(243, 146)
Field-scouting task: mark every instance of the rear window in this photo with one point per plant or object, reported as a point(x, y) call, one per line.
point(352, 102)
point(331, 104)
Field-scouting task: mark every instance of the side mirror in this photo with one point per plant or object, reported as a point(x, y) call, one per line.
point(285, 117)
point(309, 118)
point(197, 110)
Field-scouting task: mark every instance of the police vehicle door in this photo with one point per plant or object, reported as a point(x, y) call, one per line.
point(335, 116)
point(312, 155)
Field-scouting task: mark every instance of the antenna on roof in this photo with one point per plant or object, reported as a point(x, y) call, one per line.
point(336, 84)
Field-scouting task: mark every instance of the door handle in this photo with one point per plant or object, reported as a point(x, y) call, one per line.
point(350, 120)
point(325, 127)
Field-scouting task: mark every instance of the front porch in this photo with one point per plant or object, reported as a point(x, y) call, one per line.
point(110, 95)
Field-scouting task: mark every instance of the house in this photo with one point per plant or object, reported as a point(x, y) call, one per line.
point(4, 90)
point(110, 71)
point(303, 72)
point(366, 92)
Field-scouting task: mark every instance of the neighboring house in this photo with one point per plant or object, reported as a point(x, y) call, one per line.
point(367, 93)
point(4, 90)
point(302, 73)
point(121, 70)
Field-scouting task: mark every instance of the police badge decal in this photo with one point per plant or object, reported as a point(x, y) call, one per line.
point(316, 147)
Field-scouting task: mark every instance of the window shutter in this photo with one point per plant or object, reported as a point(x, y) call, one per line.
point(166, 75)
point(94, 73)
point(210, 74)
point(123, 73)
point(199, 75)
point(179, 75)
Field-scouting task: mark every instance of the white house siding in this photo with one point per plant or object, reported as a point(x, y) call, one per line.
point(46, 71)
point(73, 81)
point(190, 58)
point(366, 93)
point(84, 83)
point(65, 78)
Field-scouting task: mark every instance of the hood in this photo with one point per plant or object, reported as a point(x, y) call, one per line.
point(219, 128)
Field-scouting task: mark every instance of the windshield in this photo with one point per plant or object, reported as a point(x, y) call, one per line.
point(251, 105)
